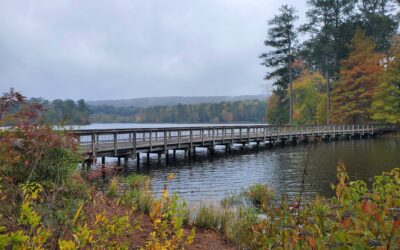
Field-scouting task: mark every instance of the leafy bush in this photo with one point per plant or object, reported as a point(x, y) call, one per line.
point(31, 151)
point(259, 195)
point(359, 217)
point(113, 187)
point(168, 215)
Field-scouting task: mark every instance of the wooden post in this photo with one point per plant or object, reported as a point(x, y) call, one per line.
point(256, 134)
point(134, 143)
point(213, 137)
point(277, 132)
point(94, 148)
point(115, 145)
point(191, 139)
point(165, 144)
point(179, 138)
point(150, 139)
point(138, 160)
point(265, 134)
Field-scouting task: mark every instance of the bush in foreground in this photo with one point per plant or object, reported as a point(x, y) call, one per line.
point(360, 216)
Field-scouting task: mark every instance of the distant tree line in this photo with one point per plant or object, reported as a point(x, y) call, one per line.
point(345, 71)
point(223, 112)
point(65, 112)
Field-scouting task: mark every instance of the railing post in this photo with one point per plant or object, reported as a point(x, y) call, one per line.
point(179, 138)
point(265, 134)
point(248, 135)
point(165, 144)
point(191, 139)
point(134, 143)
point(277, 133)
point(256, 134)
point(94, 148)
point(213, 136)
point(232, 133)
point(115, 144)
point(150, 139)
point(202, 136)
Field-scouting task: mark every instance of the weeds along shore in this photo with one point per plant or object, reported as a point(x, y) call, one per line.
point(360, 216)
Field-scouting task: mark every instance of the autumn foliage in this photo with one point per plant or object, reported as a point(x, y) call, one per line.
point(309, 98)
point(29, 150)
point(359, 75)
point(386, 100)
point(359, 216)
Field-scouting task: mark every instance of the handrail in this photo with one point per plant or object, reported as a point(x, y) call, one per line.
point(239, 126)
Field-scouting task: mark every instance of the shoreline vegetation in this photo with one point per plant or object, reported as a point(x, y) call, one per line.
point(46, 203)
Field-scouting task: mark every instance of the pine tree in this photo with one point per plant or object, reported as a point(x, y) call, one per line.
point(379, 21)
point(331, 28)
point(282, 39)
point(359, 76)
point(386, 103)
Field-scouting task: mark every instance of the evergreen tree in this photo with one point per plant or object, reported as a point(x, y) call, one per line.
point(331, 28)
point(379, 21)
point(282, 39)
point(359, 76)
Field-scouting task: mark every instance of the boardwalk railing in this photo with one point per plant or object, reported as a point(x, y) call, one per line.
point(129, 142)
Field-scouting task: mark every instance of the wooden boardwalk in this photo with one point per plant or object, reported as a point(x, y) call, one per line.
point(129, 143)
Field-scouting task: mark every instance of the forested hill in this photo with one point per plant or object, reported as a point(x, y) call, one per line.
point(222, 112)
point(173, 100)
point(69, 112)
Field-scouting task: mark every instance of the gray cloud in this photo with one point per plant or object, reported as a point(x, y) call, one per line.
point(129, 48)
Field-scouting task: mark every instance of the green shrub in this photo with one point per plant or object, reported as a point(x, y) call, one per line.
point(113, 187)
point(138, 192)
point(136, 181)
point(259, 195)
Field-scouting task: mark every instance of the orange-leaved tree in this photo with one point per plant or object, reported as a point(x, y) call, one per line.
point(359, 75)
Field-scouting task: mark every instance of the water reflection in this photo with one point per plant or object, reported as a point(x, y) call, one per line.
point(281, 168)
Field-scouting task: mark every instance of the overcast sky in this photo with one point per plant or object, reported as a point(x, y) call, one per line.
point(115, 49)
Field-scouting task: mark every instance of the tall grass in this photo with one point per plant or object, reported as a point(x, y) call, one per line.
point(138, 192)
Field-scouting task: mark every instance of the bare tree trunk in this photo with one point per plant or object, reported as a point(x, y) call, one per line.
point(291, 87)
point(328, 92)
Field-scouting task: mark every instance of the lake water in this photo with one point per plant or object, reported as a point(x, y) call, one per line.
point(281, 168)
